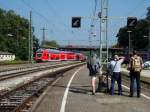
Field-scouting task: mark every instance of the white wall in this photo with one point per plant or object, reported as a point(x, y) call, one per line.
point(7, 57)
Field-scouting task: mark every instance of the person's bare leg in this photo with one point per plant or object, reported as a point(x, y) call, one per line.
point(93, 84)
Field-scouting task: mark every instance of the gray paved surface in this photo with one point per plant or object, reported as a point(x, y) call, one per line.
point(145, 73)
point(80, 99)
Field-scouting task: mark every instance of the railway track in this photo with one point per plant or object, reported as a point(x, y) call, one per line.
point(20, 99)
point(9, 68)
point(26, 70)
point(145, 86)
point(10, 81)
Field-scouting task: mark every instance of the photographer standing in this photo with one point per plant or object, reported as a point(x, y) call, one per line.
point(115, 69)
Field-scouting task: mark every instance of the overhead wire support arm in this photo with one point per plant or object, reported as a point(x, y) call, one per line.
point(95, 17)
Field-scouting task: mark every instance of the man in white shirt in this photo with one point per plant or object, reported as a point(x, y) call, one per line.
point(115, 67)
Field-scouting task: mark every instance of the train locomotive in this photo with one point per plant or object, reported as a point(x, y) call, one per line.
point(57, 55)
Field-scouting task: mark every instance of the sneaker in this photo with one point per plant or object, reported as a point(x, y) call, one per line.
point(130, 95)
point(138, 96)
point(111, 94)
point(93, 93)
point(120, 94)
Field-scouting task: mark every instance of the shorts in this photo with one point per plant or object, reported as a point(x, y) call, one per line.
point(93, 77)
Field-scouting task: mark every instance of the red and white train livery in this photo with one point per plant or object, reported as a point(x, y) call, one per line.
point(57, 55)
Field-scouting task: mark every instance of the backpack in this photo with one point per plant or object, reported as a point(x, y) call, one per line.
point(96, 68)
point(136, 64)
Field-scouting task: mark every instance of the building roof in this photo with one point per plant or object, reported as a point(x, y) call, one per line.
point(5, 53)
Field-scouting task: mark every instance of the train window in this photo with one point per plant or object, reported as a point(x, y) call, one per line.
point(39, 55)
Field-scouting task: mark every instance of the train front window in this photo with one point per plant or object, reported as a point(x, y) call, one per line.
point(39, 55)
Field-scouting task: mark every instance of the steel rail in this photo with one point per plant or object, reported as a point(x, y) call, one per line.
point(18, 98)
point(24, 66)
point(27, 70)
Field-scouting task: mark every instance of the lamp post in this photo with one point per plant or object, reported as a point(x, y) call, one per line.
point(149, 37)
point(148, 15)
point(100, 43)
point(129, 31)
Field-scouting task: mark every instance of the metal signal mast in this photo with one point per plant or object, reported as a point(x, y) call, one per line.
point(103, 15)
point(30, 57)
point(104, 31)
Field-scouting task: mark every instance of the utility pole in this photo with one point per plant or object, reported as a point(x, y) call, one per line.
point(43, 39)
point(100, 40)
point(104, 30)
point(148, 8)
point(30, 58)
point(29, 42)
point(129, 42)
point(17, 36)
point(90, 42)
point(149, 37)
point(148, 15)
point(103, 15)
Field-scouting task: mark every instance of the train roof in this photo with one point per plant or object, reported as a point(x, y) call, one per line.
point(66, 52)
point(5, 53)
point(53, 50)
point(40, 50)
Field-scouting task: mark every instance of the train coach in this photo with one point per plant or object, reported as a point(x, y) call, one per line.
point(57, 55)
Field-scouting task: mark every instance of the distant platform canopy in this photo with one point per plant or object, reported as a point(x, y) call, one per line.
point(87, 48)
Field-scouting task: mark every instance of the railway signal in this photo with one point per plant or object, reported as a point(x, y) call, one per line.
point(131, 22)
point(76, 22)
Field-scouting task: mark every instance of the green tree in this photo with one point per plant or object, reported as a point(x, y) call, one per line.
point(35, 45)
point(50, 44)
point(139, 35)
point(148, 14)
point(14, 34)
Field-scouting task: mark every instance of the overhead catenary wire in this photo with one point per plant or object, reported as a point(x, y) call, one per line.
point(94, 12)
point(55, 13)
point(58, 16)
point(47, 20)
point(39, 14)
point(134, 10)
point(92, 25)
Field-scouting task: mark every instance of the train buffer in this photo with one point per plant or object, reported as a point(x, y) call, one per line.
point(72, 93)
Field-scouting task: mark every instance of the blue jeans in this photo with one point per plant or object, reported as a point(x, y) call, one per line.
point(116, 77)
point(135, 76)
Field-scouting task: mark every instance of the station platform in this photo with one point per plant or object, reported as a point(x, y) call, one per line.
point(72, 93)
point(144, 73)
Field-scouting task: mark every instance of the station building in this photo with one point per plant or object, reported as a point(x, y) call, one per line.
point(6, 56)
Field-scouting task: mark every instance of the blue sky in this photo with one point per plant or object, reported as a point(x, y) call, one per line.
point(55, 16)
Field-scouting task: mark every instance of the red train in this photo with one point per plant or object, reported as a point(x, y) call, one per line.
point(57, 55)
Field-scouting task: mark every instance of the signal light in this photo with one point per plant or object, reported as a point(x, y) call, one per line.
point(76, 22)
point(131, 22)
